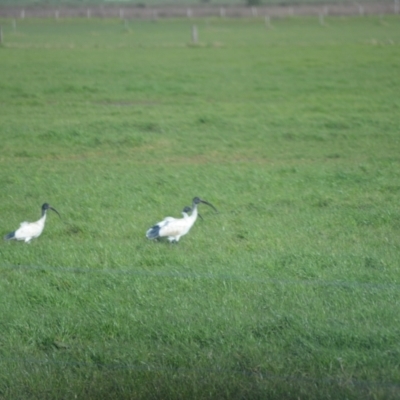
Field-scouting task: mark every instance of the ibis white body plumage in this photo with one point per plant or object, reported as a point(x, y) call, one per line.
point(175, 228)
point(31, 230)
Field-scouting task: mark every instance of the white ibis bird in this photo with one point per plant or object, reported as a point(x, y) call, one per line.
point(31, 230)
point(174, 228)
point(152, 232)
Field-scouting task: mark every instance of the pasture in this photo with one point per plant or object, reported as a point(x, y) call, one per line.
point(292, 131)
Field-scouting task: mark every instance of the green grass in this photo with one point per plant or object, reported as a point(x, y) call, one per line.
point(290, 291)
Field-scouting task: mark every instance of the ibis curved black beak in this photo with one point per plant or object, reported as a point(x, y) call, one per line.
point(209, 204)
point(51, 208)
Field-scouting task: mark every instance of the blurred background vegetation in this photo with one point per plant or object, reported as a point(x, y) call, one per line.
point(184, 2)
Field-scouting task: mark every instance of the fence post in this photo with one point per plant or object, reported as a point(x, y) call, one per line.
point(254, 11)
point(396, 6)
point(88, 13)
point(189, 13)
point(23, 14)
point(195, 36)
point(222, 12)
point(267, 21)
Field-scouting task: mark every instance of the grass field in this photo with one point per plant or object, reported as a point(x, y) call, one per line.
point(291, 291)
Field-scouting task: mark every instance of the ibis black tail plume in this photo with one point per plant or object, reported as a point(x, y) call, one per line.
point(153, 232)
point(9, 236)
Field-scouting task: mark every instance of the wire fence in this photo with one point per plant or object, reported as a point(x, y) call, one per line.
point(201, 10)
point(173, 274)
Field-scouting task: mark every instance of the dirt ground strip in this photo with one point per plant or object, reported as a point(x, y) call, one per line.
point(199, 11)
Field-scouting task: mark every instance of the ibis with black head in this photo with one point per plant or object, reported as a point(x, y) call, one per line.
point(175, 228)
point(31, 230)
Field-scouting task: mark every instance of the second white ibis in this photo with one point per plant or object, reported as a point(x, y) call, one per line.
point(175, 228)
